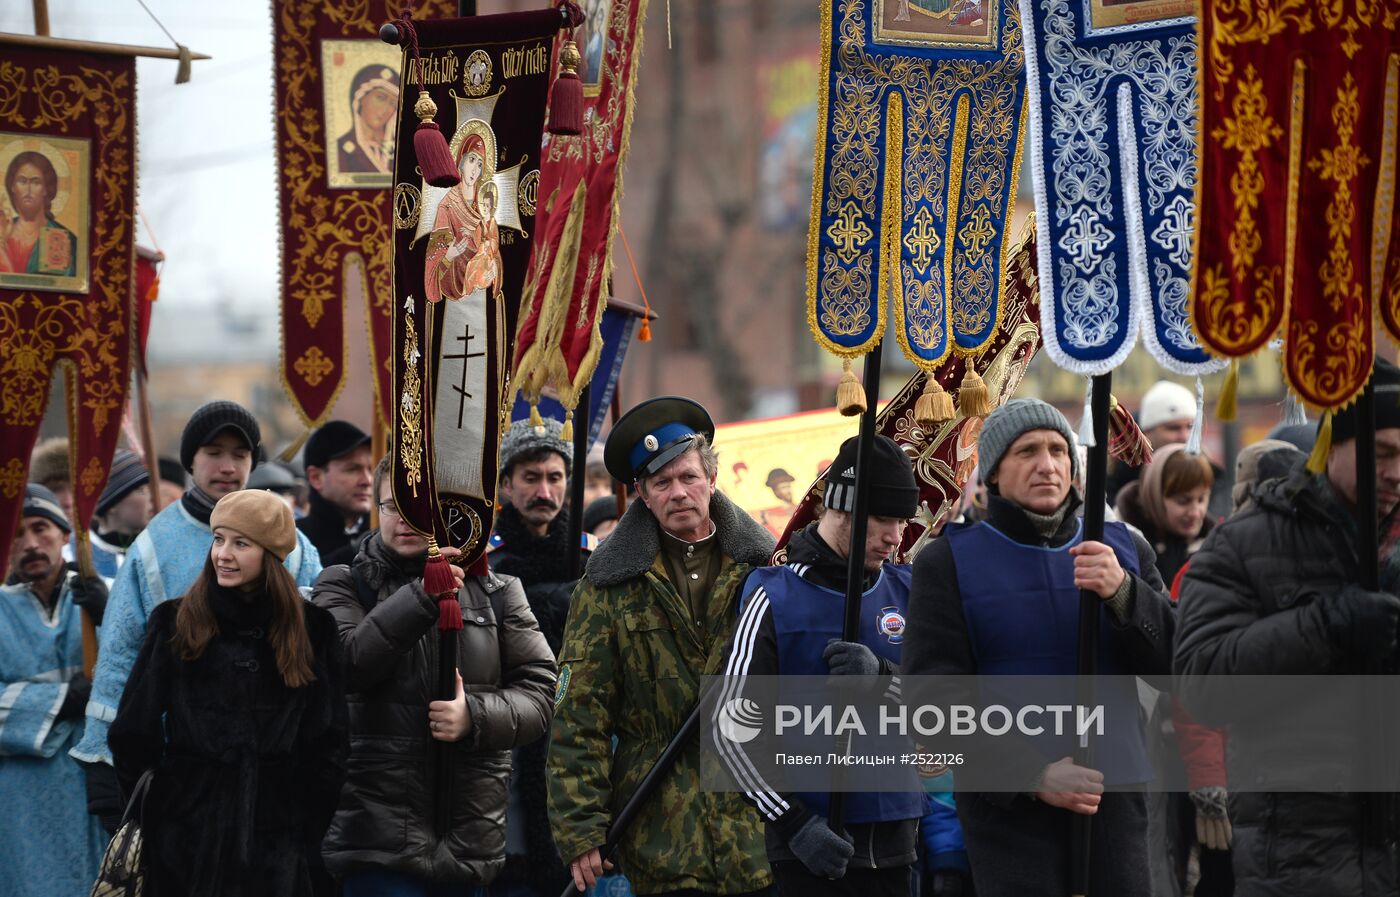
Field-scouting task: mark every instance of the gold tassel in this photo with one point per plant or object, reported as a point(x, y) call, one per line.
point(1317, 461)
point(567, 433)
point(934, 406)
point(535, 419)
point(850, 395)
point(1225, 407)
point(973, 400)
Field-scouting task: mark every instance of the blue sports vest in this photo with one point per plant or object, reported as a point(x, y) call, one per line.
point(1022, 612)
point(805, 617)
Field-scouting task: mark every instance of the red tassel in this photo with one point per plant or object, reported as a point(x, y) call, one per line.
point(434, 158)
point(566, 97)
point(437, 573)
point(449, 614)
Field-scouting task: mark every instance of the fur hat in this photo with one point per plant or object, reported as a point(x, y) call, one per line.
point(261, 516)
point(49, 462)
point(522, 438)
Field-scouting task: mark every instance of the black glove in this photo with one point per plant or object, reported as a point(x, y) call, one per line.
point(821, 850)
point(104, 795)
point(1364, 623)
point(75, 701)
point(947, 883)
point(90, 593)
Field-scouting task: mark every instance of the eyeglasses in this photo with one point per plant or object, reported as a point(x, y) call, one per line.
point(388, 509)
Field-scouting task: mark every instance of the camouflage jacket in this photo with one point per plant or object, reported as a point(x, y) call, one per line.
point(631, 668)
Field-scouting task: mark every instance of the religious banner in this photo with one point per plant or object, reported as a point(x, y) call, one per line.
point(1297, 221)
point(1113, 153)
point(945, 454)
point(919, 119)
point(579, 188)
point(460, 256)
point(337, 109)
point(68, 154)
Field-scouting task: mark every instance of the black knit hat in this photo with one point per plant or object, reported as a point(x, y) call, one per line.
point(1385, 380)
point(893, 490)
point(599, 509)
point(211, 419)
point(172, 471)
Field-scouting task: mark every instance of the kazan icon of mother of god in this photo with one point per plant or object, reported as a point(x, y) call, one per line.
point(463, 251)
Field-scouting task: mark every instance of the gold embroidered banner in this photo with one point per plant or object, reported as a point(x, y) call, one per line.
point(1297, 227)
point(920, 116)
point(337, 103)
point(579, 187)
point(67, 152)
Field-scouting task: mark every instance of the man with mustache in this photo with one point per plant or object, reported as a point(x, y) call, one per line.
point(1001, 597)
point(49, 845)
point(218, 449)
point(1276, 591)
point(340, 471)
point(531, 542)
point(654, 612)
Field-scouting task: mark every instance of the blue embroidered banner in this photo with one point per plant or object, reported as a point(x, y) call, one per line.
point(1113, 153)
point(920, 117)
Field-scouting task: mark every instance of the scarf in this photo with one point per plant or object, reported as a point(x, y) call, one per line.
point(199, 503)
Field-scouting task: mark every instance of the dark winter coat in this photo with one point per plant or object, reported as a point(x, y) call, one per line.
point(247, 770)
point(1172, 551)
point(386, 815)
point(1011, 838)
point(324, 526)
point(1254, 602)
point(542, 566)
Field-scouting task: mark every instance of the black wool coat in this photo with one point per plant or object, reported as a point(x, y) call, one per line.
point(248, 771)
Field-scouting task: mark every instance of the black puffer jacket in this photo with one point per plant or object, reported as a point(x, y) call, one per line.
point(1255, 602)
point(386, 814)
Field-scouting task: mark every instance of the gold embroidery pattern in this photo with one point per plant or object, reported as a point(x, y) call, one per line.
point(1249, 132)
point(314, 366)
point(36, 333)
point(93, 477)
point(12, 478)
point(410, 433)
point(959, 121)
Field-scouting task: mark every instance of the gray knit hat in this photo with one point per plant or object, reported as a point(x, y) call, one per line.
point(522, 438)
point(1006, 424)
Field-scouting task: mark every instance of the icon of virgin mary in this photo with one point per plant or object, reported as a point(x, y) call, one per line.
point(463, 250)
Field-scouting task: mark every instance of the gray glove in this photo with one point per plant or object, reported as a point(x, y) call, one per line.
point(850, 659)
point(1212, 822)
point(821, 850)
point(1364, 622)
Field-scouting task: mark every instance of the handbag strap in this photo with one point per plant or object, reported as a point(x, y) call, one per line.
point(136, 806)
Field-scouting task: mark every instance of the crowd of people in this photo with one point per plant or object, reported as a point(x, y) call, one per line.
point(268, 664)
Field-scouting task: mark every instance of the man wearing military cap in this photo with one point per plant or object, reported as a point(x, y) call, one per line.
point(340, 470)
point(652, 615)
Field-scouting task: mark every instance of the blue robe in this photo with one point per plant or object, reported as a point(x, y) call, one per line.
point(161, 564)
point(49, 845)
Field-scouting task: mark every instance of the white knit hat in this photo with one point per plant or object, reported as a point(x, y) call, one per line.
point(1165, 402)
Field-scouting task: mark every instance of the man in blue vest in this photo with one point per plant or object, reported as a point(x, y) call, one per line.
point(1001, 597)
point(790, 623)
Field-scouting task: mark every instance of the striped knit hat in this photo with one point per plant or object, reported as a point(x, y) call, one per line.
point(128, 474)
point(893, 489)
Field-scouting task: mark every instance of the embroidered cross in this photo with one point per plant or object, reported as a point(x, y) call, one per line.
point(314, 366)
point(849, 233)
point(1085, 239)
point(978, 233)
point(922, 240)
point(461, 388)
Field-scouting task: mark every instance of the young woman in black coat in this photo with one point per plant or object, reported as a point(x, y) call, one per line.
point(237, 704)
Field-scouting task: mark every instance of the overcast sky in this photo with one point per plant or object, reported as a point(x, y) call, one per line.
point(207, 175)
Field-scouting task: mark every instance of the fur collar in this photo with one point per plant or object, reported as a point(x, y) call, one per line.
point(630, 549)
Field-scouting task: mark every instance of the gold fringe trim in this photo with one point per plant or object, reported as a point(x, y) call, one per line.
point(973, 398)
point(1317, 461)
point(850, 395)
point(543, 361)
point(1225, 405)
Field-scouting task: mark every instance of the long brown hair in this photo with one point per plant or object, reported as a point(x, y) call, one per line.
point(196, 626)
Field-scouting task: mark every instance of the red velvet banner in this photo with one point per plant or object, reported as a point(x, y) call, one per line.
point(460, 255)
point(337, 105)
point(1296, 221)
point(579, 190)
point(67, 154)
point(946, 456)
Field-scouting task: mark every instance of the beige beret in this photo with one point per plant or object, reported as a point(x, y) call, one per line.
point(261, 516)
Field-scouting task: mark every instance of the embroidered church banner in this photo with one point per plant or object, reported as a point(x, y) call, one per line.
point(67, 152)
point(460, 255)
point(337, 104)
point(1113, 153)
point(1297, 226)
point(920, 115)
point(945, 455)
point(579, 187)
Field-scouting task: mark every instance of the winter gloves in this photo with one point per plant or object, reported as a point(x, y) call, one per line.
point(1363, 623)
point(1212, 822)
point(850, 659)
point(821, 850)
point(90, 593)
